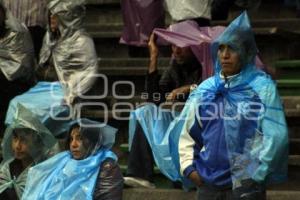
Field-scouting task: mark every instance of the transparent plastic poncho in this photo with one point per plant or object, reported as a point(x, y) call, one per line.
point(250, 108)
point(45, 100)
point(256, 131)
point(42, 143)
point(154, 120)
point(255, 127)
point(16, 50)
point(73, 54)
point(65, 178)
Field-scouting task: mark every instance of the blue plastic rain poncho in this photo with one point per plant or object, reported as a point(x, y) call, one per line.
point(65, 178)
point(235, 127)
point(227, 131)
point(45, 100)
point(155, 121)
point(40, 147)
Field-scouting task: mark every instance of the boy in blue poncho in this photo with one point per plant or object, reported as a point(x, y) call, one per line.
point(234, 139)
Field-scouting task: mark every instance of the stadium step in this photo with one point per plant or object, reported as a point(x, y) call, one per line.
point(102, 2)
point(129, 66)
point(288, 87)
point(173, 194)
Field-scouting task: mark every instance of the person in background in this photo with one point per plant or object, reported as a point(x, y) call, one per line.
point(68, 50)
point(16, 60)
point(33, 13)
point(174, 85)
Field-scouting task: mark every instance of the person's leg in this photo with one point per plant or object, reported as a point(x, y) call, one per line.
point(140, 160)
point(250, 190)
point(208, 193)
point(37, 35)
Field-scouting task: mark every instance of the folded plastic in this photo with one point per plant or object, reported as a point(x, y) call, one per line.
point(45, 100)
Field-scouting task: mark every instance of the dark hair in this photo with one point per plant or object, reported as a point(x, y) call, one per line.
point(35, 137)
point(88, 138)
point(27, 131)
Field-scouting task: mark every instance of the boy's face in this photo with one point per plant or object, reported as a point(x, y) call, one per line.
point(22, 144)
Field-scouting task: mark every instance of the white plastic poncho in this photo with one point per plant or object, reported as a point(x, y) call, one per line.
point(73, 53)
point(16, 50)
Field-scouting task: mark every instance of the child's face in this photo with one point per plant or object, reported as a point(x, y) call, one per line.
point(77, 147)
point(22, 144)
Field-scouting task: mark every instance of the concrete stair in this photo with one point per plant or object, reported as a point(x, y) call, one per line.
point(102, 2)
point(172, 194)
point(275, 26)
point(129, 67)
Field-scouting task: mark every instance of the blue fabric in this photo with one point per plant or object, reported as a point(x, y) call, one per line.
point(41, 99)
point(64, 178)
point(162, 129)
point(248, 138)
point(243, 132)
point(155, 122)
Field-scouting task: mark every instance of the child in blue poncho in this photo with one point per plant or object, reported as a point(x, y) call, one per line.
point(89, 170)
